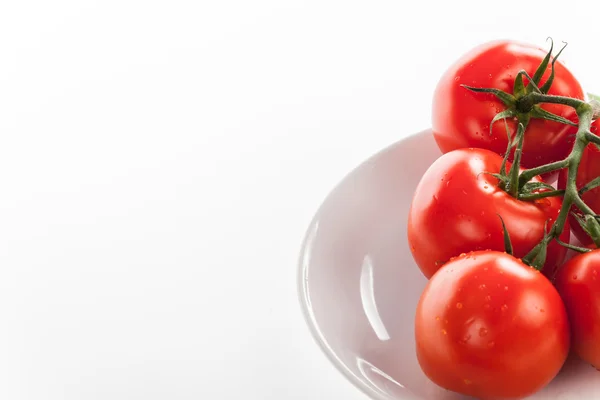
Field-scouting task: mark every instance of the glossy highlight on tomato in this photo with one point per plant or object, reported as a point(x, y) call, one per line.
point(489, 326)
point(461, 118)
point(455, 210)
point(578, 283)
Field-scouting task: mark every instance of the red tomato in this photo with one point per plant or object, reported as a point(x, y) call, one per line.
point(491, 327)
point(461, 118)
point(578, 283)
point(455, 210)
point(589, 168)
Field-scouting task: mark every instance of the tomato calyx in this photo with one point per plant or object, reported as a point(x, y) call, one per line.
point(589, 223)
point(520, 105)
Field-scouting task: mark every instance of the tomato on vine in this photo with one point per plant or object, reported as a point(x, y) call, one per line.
point(462, 118)
point(488, 323)
point(489, 326)
point(456, 208)
point(578, 283)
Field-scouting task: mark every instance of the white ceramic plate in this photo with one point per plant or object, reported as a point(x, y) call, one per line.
point(359, 285)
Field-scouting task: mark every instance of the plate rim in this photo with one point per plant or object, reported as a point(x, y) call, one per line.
point(302, 288)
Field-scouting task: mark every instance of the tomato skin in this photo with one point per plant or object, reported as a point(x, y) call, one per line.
point(461, 118)
point(455, 210)
point(491, 327)
point(578, 283)
point(589, 168)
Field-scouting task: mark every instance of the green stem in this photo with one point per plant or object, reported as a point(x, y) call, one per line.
point(581, 205)
point(585, 114)
point(594, 183)
point(513, 183)
point(592, 138)
point(529, 174)
point(541, 195)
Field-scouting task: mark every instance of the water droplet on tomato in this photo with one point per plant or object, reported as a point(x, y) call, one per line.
point(490, 76)
point(505, 288)
point(444, 332)
point(465, 339)
point(483, 332)
point(491, 344)
point(482, 286)
point(467, 381)
point(574, 277)
point(488, 298)
point(459, 305)
point(486, 268)
point(446, 321)
point(437, 318)
point(542, 310)
point(464, 191)
point(457, 78)
point(504, 308)
point(486, 306)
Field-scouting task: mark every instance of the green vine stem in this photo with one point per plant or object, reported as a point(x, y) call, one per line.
point(513, 175)
point(524, 104)
point(585, 113)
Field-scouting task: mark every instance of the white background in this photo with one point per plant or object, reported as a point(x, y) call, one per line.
point(160, 161)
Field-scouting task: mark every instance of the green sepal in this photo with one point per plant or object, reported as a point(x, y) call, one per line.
point(539, 112)
point(519, 87)
point(591, 226)
point(539, 72)
point(573, 247)
point(532, 88)
point(508, 99)
point(546, 87)
point(502, 115)
point(507, 243)
point(540, 257)
point(530, 187)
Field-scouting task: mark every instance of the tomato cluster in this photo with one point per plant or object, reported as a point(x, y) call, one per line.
point(493, 322)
